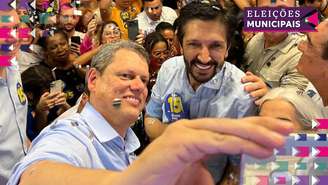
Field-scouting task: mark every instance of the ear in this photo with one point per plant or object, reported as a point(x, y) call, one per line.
point(227, 52)
point(91, 79)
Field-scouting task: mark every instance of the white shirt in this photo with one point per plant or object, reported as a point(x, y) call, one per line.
point(148, 25)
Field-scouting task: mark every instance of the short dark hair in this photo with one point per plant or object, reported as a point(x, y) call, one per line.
point(201, 11)
point(51, 32)
point(152, 39)
point(164, 26)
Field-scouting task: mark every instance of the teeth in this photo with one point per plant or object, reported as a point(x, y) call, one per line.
point(132, 100)
point(204, 67)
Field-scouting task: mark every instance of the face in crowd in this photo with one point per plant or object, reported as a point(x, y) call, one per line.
point(111, 33)
point(57, 48)
point(10, 40)
point(204, 51)
point(313, 63)
point(67, 19)
point(281, 109)
point(153, 9)
point(160, 52)
point(127, 82)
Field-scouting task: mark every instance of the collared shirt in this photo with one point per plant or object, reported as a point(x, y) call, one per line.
point(84, 140)
point(276, 65)
point(223, 96)
point(173, 98)
point(13, 115)
point(148, 25)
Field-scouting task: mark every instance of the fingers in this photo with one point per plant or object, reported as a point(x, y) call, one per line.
point(256, 86)
point(263, 131)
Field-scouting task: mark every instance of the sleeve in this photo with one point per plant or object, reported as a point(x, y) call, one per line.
point(86, 44)
point(154, 106)
point(49, 145)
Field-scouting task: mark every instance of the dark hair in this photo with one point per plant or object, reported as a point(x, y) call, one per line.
point(164, 26)
point(36, 80)
point(152, 39)
point(50, 33)
point(201, 11)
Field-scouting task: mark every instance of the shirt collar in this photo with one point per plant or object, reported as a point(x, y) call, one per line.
point(104, 131)
point(217, 80)
point(285, 45)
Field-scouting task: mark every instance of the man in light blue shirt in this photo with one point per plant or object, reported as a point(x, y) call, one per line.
point(200, 83)
point(13, 104)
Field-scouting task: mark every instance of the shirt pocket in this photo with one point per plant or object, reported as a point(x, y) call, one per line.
point(272, 77)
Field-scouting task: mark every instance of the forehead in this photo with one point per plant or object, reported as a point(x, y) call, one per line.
point(15, 19)
point(58, 37)
point(67, 11)
point(160, 45)
point(204, 30)
point(110, 27)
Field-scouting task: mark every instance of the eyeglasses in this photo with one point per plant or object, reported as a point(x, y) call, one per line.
point(112, 33)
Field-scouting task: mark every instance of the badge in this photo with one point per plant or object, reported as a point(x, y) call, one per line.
point(175, 108)
point(20, 94)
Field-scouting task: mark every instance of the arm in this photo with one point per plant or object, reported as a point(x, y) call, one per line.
point(164, 161)
point(2, 72)
point(154, 127)
point(85, 58)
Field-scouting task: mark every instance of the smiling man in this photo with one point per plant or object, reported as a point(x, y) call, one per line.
point(313, 63)
point(200, 83)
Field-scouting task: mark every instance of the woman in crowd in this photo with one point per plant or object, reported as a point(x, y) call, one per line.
point(55, 84)
point(286, 104)
point(108, 32)
point(157, 47)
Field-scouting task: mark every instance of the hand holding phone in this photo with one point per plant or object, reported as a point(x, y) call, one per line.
point(133, 29)
point(56, 86)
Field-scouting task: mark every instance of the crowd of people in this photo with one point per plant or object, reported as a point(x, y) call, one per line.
point(152, 92)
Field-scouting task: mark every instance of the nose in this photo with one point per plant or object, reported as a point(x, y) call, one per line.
point(204, 55)
point(137, 85)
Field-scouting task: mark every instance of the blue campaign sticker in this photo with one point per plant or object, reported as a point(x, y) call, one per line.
point(175, 107)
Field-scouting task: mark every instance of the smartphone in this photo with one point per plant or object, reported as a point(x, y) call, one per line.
point(133, 29)
point(76, 40)
point(56, 86)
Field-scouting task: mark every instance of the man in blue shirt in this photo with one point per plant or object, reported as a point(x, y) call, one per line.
point(200, 83)
point(96, 146)
point(13, 102)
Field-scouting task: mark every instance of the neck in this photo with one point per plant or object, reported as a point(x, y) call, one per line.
point(323, 91)
point(273, 42)
point(194, 83)
point(70, 33)
point(119, 122)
